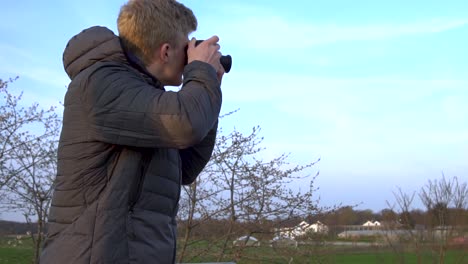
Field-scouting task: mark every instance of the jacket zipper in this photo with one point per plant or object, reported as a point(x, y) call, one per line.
point(135, 195)
point(144, 164)
point(174, 234)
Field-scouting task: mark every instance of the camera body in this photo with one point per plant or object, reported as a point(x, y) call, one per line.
point(225, 60)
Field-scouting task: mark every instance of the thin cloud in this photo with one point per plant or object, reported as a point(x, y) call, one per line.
point(37, 73)
point(273, 32)
point(9, 51)
point(265, 87)
point(357, 116)
point(21, 62)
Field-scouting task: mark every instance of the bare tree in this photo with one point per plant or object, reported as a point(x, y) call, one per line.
point(440, 197)
point(29, 139)
point(246, 193)
point(16, 122)
point(446, 204)
point(399, 227)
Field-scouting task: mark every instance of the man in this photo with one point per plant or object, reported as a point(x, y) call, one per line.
point(127, 145)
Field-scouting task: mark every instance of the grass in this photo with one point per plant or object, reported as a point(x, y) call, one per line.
point(12, 251)
point(453, 257)
point(15, 253)
point(327, 254)
point(389, 257)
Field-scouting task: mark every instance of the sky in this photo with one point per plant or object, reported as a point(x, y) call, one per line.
point(376, 89)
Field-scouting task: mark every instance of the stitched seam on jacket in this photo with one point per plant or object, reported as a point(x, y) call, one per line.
point(92, 234)
point(111, 172)
point(160, 194)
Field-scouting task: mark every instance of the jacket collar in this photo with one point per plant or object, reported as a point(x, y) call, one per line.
point(138, 64)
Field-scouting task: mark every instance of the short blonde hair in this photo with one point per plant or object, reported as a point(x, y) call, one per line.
point(144, 25)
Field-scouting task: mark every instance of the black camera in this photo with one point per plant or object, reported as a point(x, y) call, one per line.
point(226, 60)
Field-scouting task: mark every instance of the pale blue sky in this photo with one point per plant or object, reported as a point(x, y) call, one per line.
point(376, 89)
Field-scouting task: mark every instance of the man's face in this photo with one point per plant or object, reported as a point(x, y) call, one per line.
point(172, 74)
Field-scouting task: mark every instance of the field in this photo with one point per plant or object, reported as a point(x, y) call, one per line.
point(339, 255)
point(14, 252)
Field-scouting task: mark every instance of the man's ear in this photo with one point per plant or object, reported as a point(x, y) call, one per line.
point(164, 52)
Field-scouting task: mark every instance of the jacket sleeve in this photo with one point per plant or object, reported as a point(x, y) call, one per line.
point(195, 158)
point(124, 109)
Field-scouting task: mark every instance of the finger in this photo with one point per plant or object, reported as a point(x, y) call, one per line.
point(218, 55)
point(213, 40)
point(192, 42)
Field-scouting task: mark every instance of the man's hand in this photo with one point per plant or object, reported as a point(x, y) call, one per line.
point(207, 51)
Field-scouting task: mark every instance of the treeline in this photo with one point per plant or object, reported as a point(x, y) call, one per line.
point(15, 228)
point(344, 216)
point(445, 201)
point(409, 219)
point(335, 220)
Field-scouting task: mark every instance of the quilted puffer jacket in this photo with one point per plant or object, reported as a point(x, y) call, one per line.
point(126, 147)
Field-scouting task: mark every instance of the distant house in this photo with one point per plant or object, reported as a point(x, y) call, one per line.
point(370, 223)
point(301, 229)
point(319, 227)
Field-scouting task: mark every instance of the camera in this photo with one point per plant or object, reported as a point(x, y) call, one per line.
point(225, 60)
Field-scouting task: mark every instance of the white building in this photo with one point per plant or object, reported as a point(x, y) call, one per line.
point(302, 229)
point(370, 223)
point(319, 227)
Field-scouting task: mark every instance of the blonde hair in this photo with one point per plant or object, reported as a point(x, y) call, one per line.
point(144, 25)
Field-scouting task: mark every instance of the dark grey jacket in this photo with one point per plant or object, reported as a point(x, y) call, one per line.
point(126, 147)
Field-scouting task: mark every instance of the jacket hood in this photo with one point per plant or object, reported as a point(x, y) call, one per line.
point(90, 46)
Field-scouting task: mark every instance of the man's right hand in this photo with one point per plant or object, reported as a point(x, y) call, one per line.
point(207, 51)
